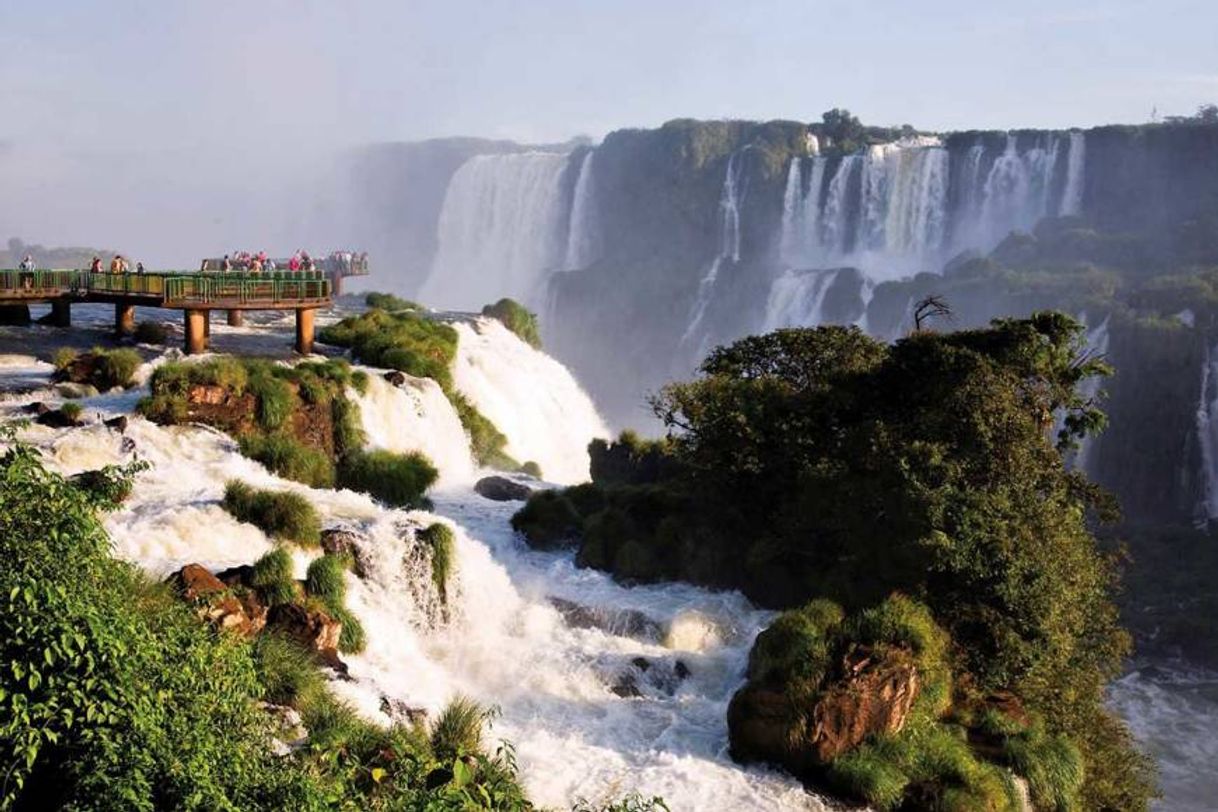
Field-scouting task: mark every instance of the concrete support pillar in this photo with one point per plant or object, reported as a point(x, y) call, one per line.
point(61, 313)
point(196, 338)
point(124, 319)
point(336, 285)
point(235, 318)
point(207, 328)
point(304, 330)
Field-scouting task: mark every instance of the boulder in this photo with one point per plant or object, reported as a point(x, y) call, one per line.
point(872, 695)
point(209, 394)
point(627, 686)
point(237, 576)
point(243, 614)
point(37, 408)
point(56, 419)
point(289, 731)
point(620, 622)
point(312, 628)
point(401, 713)
point(395, 377)
point(502, 489)
point(118, 424)
point(76, 391)
point(345, 541)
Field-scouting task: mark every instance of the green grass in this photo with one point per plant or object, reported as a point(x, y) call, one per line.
point(273, 579)
point(325, 579)
point(400, 480)
point(289, 458)
point(458, 729)
point(1052, 766)
point(486, 442)
point(348, 430)
point(115, 368)
point(274, 400)
point(63, 357)
point(387, 301)
point(351, 639)
point(440, 540)
point(287, 671)
point(279, 514)
point(516, 318)
point(866, 774)
point(404, 341)
point(72, 410)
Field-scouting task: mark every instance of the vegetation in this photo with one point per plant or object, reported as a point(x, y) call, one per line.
point(273, 579)
point(286, 456)
point(114, 694)
point(439, 539)
point(400, 480)
point(151, 332)
point(102, 368)
point(325, 582)
point(818, 463)
point(387, 301)
point(72, 411)
point(411, 342)
point(280, 514)
point(517, 319)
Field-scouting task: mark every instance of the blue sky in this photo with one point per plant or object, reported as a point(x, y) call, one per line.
point(185, 73)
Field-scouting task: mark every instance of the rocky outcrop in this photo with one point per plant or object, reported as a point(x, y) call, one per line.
point(208, 394)
point(314, 629)
point(401, 713)
point(872, 694)
point(216, 603)
point(345, 541)
point(502, 489)
point(619, 622)
point(395, 377)
point(57, 419)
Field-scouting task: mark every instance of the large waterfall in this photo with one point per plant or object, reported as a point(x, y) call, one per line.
point(502, 229)
point(730, 199)
point(583, 234)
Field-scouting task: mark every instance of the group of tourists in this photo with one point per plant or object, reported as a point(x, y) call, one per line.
point(255, 263)
point(117, 265)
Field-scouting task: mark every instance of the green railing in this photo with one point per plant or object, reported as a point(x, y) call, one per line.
point(173, 287)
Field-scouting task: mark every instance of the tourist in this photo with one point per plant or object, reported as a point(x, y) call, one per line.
point(95, 266)
point(116, 264)
point(139, 268)
point(256, 265)
point(27, 264)
point(269, 266)
point(227, 265)
point(294, 262)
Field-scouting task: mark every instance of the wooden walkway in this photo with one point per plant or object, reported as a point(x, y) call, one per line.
point(196, 294)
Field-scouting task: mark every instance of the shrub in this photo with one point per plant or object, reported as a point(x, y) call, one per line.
point(532, 469)
point(286, 670)
point(359, 381)
point(351, 639)
point(516, 318)
point(289, 458)
point(458, 729)
point(273, 578)
point(864, 773)
point(274, 400)
point(280, 514)
point(325, 579)
point(348, 430)
point(113, 368)
point(72, 411)
point(387, 301)
point(406, 341)
point(632, 802)
point(400, 480)
point(63, 358)
point(486, 442)
point(151, 332)
point(440, 540)
point(548, 520)
point(167, 410)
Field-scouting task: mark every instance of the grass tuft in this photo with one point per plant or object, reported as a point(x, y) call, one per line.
point(279, 514)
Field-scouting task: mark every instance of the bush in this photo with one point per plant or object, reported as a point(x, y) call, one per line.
point(458, 730)
point(113, 368)
point(63, 358)
point(548, 521)
point(351, 639)
point(441, 542)
point(289, 458)
point(325, 579)
point(273, 577)
point(400, 480)
point(486, 442)
point(166, 410)
point(72, 411)
point(532, 469)
point(274, 400)
point(387, 301)
point(279, 514)
point(151, 332)
point(287, 671)
point(516, 318)
point(406, 341)
point(348, 430)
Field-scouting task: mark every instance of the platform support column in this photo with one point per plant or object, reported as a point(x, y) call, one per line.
point(124, 319)
point(196, 337)
point(61, 313)
point(235, 318)
point(336, 285)
point(304, 330)
point(207, 328)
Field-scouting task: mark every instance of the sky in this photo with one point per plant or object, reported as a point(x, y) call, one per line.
point(130, 96)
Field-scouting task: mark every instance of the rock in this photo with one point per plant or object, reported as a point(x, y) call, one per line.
point(401, 713)
point(873, 697)
point(641, 663)
point(209, 394)
point(681, 670)
point(627, 687)
point(56, 419)
point(244, 615)
point(395, 377)
point(502, 489)
point(37, 408)
point(76, 391)
point(290, 733)
point(345, 541)
point(119, 423)
point(102, 485)
point(14, 315)
point(312, 628)
point(237, 576)
point(620, 622)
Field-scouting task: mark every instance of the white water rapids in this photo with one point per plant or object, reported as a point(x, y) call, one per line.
point(506, 643)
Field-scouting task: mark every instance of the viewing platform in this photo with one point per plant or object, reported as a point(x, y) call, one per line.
point(196, 294)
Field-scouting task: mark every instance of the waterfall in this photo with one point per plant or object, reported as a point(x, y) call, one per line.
point(1097, 346)
point(1016, 193)
point(530, 397)
point(416, 416)
point(1207, 434)
point(796, 299)
point(502, 227)
point(582, 236)
point(1072, 193)
point(729, 247)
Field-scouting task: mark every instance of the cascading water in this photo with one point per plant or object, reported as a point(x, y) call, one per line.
point(796, 299)
point(729, 247)
point(1089, 389)
point(1072, 194)
point(1207, 435)
point(582, 234)
point(503, 226)
point(529, 396)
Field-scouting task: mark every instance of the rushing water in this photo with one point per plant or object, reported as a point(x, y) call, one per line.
point(505, 641)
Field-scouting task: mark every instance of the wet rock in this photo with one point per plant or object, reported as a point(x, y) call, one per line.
point(620, 622)
point(289, 731)
point(312, 628)
point(345, 541)
point(118, 424)
point(395, 377)
point(641, 663)
point(209, 394)
point(76, 391)
point(502, 489)
point(36, 408)
point(401, 713)
point(681, 670)
point(57, 419)
point(237, 576)
point(627, 686)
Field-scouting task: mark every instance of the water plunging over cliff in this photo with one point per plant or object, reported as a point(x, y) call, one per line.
point(583, 233)
point(729, 245)
point(502, 227)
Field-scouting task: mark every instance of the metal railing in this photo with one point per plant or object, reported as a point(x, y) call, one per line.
point(173, 287)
